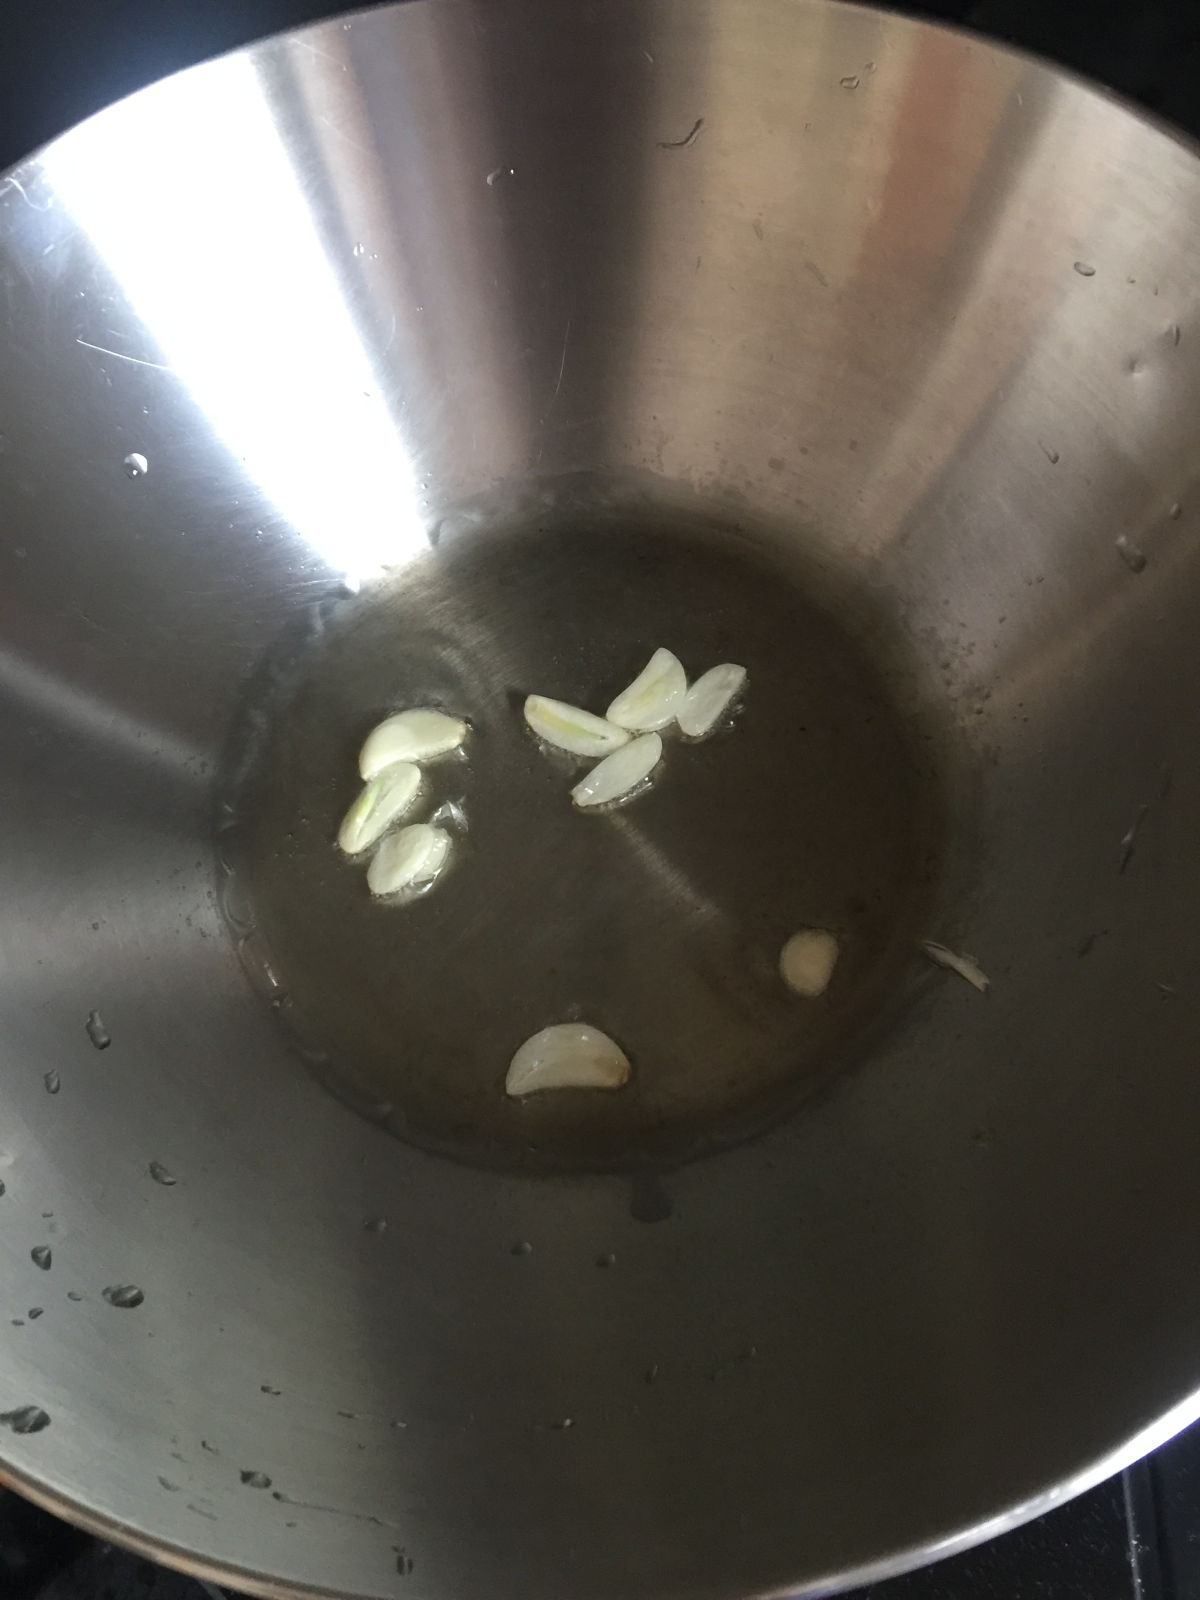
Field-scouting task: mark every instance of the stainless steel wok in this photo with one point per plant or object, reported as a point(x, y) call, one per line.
point(459, 350)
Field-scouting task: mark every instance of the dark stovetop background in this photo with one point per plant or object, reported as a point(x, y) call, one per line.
point(1136, 1537)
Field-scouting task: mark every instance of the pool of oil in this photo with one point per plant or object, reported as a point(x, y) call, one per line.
point(660, 922)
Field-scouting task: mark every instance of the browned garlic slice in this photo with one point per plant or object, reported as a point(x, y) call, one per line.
point(618, 774)
point(709, 698)
point(570, 728)
point(414, 735)
point(410, 859)
point(966, 966)
point(570, 1055)
point(807, 960)
point(653, 698)
point(383, 801)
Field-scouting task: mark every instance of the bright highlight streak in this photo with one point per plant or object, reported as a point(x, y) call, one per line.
point(188, 193)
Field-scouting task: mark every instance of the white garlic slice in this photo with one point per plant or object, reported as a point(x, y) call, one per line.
point(966, 966)
point(580, 732)
point(409, 859)
point(383, 801)
point(570, 1055)
point(614, 777)
point(409, 736)
point(708, 699)
point(807, 960)
point(654, 696)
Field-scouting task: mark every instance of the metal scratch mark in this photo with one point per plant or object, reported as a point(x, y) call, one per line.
point(562, 367)
point(1129, 839)
point(135, 361)
point(688, 139)
point(333, 1511)
point(15, 183)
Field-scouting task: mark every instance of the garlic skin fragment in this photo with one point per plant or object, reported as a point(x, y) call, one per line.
point(571, 728)
point(410, 859)
point(570, 1055)
point(653, 698)
point(807, 960)
point(416, 735)
point(381, 802)
point(966, 966)
point(709, 698)
point(614, 777)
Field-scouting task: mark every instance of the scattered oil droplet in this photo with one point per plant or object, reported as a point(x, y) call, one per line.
point(74, 1294)
point(404, 1563)
point(265, 1388)
point(651, 1374)
point(1131, 555)
point(34, 1313)
point(563, 1424)
point(256, 1480)
point(606, 1260)
point(1085, 269)
point(375, 1225)
point(2, 1186)
point(211, 1448)
point(26, 1419)
point(359, 250)
point(97, 1032)
point(522, 1248)
point(160, 1174)
point(1051, 455)
point(850, 82)
point(1175, 512)
point(41, 1255)
point(500, 172)
point(125, 1296)
point(136, 465)
point(52, 1081)
point(166, 1483)
point(1176, 333)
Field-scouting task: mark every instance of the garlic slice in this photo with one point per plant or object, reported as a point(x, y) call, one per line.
point(709, 697)
point(966, 966)
point(614, 777)
point(383, 801)
point(570, 1055)
point(654, 696)
point(580, 732)
point(409, 736)
point(409, 859)
point(807, 960)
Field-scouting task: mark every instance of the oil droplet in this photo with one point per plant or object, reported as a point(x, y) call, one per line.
point(1085, 269)
point(160, 1175)
point(26, 1419)
point(375, 1225)
point(125, 1296)
point(34, 1313)
point(500, 172)
point(563, 1424)
point(97, 1032)
point(606, 1260)
point(52, 1081)
point(1175, 512)
point(136, 465)
point(41, 1256)
point(404, 1564)
point(1052, 456)
point(359, 250)
point(74, 1294)
point(265, 1388)
point(166, 1483)
point(850, 82)
point(256, 1480)
point(1131, 555)
point(1, 1185)
point(522, 1248)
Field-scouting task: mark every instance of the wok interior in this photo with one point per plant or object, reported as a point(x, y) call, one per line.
point(922, 318)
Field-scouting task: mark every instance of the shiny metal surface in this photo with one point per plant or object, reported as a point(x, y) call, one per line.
point(914, 319)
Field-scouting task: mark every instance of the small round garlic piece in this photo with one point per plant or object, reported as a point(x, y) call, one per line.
point(409, 736)
point(708, 699)
point(653, 698)
point(381, 802)
point(570, 1055)
point(410, 859)
point(807, 960)
point(614, 777)
point(570, 728)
